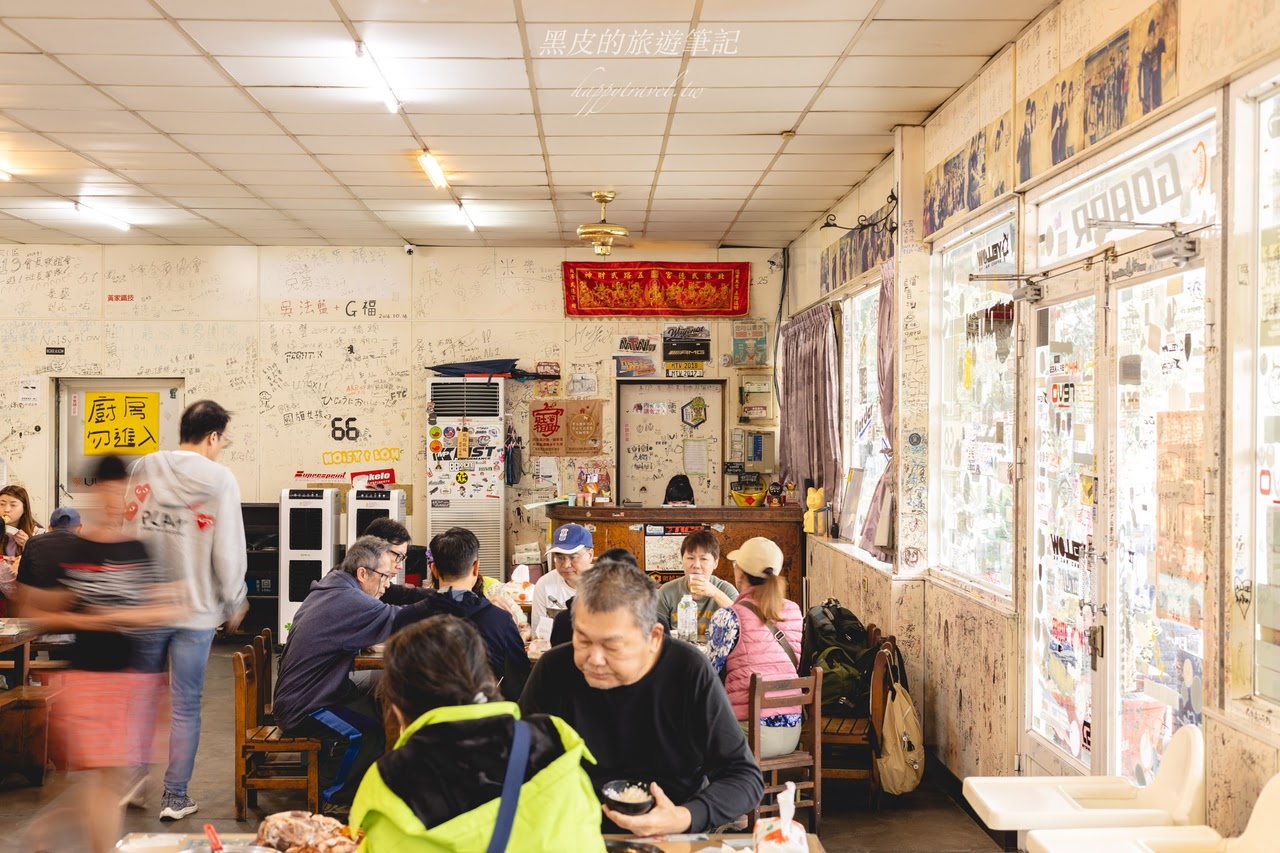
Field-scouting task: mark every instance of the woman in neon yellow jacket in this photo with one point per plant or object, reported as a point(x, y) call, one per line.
point(439, 789)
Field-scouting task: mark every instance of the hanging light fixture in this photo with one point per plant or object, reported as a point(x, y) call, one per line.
point(602, 234)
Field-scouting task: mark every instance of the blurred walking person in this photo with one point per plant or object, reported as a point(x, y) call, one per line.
point(97, 584)
point(186, 508)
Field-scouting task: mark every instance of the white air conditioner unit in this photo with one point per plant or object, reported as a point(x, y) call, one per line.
point(365, 505)
point(308, 546)
point(468, 490)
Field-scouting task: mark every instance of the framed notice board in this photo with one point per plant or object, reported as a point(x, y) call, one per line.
point(668, 428)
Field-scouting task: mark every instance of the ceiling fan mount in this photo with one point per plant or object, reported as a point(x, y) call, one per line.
point(602, 234)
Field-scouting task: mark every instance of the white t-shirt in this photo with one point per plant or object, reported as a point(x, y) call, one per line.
point(551, 593)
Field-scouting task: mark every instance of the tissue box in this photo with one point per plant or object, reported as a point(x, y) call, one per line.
point(774, 835)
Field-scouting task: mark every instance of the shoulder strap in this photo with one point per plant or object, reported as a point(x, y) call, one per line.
point(776, 631)
point(516, 763)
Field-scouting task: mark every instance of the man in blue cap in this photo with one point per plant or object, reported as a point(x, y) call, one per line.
point(571, 553)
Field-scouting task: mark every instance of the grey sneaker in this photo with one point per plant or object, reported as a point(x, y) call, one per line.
point(173, 807)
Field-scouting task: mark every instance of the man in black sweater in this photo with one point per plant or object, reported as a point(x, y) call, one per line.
point(648, 706)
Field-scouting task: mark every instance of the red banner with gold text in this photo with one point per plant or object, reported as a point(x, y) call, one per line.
point(648, 289)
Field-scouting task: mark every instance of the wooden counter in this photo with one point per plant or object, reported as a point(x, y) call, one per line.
point(624, 527)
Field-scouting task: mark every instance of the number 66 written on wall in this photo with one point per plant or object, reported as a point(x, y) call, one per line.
point(343, 429)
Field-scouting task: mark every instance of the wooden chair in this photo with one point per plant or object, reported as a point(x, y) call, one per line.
point(24, 732)
point(807, 757)
point(264, 654)
point(261, 760)
point(853, 755)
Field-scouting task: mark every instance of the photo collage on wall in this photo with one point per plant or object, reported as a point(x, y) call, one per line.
point(856, 252)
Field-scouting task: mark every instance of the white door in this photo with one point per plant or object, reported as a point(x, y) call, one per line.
point(1067, 610)
point(1116, 540)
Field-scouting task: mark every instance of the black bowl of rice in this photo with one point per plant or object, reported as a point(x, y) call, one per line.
point(628, 796)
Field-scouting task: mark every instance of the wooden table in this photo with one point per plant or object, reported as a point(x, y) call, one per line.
point(176, 842)
point(15, 637)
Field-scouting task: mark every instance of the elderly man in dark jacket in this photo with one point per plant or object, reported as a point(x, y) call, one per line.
point(315, 696)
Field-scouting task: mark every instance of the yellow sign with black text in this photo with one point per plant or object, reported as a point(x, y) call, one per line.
point(126, 423)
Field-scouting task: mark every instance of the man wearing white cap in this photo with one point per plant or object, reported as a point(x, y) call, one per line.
point(571, 553)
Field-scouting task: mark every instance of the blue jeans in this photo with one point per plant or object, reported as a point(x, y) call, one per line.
point(187, 650)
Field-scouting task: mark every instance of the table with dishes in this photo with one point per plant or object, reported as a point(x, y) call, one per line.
point(177, 842)
point(15, 640)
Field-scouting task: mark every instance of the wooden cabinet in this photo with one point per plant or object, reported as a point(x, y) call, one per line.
point(624, 527)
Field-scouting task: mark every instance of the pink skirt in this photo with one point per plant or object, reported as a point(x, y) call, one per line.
point(103, 719)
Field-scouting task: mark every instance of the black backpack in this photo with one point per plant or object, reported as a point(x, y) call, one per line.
point(836, 640)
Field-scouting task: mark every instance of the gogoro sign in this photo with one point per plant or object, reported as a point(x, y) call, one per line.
point(1169, 183)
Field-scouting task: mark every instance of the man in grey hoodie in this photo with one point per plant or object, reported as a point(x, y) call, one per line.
point(186, 508)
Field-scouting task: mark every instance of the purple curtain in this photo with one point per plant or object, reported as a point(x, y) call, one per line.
point(885, 379)
point(810, 434)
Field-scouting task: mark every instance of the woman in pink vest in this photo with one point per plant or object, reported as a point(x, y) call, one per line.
point(759, 633)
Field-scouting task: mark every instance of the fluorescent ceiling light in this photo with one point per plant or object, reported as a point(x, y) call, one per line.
point(466, 218)
point(99, 216)
point(375, 81)
point(433, 170)
point(5, 176)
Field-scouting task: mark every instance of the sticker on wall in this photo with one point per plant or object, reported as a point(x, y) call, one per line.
point(750, 343)
point(435, 432)
point(637, 343)
point(694, 413)
point(29, 391)
point(626, 366)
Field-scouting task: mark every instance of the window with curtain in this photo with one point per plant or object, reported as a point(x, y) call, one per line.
point(977, 366)
point(864, 436)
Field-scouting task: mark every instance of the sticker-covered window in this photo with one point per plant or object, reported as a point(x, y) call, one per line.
point(864, 427)
point(978, 372)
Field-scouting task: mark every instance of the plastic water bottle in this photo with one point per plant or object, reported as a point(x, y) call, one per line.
point(687, 619)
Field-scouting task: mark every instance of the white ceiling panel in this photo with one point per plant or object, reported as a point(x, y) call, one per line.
point(446, 146)
point(859, 124)
point(630, 78)
point(771, 10)
point(266, 162)
point(209, 143)
point(332, 70)
point(272, 38)
point(56, 121)
point(965, 10)
point(212, 123)
point(870, 99)
point(33, 69)
point(127, 37)
point(758, 71)
point(938, 71)
point(250, 122)
point(454, 73)
point(758, 99)
point(436, 40)
point(253, 10)
point(431, 124)
point(936, 38)
point(337, 124)
point(194, 98)
point(569, 11)
point(145, 70)
point(713, 163)
point(54, 98)
point(565, 145)
point(465, 101)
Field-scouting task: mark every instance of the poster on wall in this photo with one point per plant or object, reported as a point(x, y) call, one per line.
point(1180, 570)
point(565, 428)
point(750, 343)
point(123, 423)
point(1132, 73)
point(686, 349)
point(970, 177)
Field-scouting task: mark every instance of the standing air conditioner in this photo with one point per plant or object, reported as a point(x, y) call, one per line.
point(364, 505)
point(308, 546)
point(468, 489)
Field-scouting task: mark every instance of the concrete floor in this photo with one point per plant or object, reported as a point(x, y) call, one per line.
point(926, 820)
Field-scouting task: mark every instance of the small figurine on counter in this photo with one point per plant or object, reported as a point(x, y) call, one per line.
point(814, 501)
point(774, 495)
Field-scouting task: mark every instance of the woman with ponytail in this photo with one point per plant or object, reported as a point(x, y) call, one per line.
point(440, 789)
point(761, 633)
